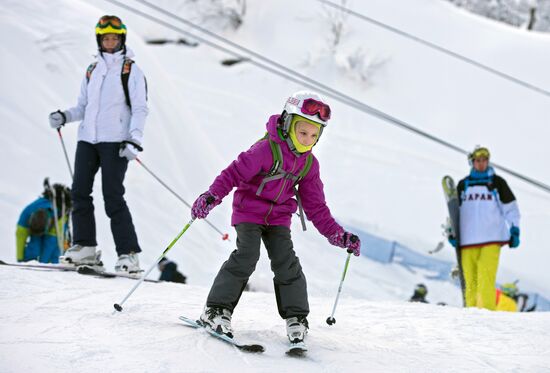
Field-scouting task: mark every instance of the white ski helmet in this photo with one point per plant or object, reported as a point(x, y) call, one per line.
point(308, 105)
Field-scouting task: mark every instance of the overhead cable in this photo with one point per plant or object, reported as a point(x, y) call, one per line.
point(305, 81)
point(439, 48)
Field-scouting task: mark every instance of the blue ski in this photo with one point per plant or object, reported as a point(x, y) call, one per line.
point(223, 337)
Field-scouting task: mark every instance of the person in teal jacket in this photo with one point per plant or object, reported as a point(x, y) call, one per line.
point(36, 233)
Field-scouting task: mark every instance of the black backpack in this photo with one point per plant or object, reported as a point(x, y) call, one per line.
point(40, 222)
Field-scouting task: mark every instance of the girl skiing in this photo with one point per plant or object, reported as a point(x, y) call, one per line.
point(267, 176)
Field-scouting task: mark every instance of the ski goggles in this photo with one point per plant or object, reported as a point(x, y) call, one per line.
point(111, 21)
point(314, 107)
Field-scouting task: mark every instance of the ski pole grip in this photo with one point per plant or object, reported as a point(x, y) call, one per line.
point(352, 238)
point(136, 145)
point(64, 118)
point(210, 200)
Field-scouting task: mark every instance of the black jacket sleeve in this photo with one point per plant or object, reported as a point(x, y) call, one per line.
point(459, 190)
point(504, 191)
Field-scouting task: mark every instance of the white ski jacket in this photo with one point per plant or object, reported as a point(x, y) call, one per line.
point(102, 108)
point(487, 211)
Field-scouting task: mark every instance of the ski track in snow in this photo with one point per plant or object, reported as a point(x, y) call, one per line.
point(66, 320)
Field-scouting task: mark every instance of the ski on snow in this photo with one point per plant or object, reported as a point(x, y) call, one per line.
point(222, 337)
point(56, 267)
point(83, 270)
point(89, 270)
point(297, 349)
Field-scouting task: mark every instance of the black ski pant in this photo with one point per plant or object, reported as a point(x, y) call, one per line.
point(289, 280)
point(89, 158)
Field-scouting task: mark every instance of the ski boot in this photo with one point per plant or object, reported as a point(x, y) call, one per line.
point(296, 328)
point(128, 263)
point(218, 319)
point(83, 255)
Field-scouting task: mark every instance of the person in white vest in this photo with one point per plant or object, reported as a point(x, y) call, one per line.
point(111, 108)
point(489, 219)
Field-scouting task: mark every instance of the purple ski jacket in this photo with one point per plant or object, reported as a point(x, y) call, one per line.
point(276, 203)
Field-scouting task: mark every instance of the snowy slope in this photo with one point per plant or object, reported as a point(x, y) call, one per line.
point(62, 322)
point(377, 177)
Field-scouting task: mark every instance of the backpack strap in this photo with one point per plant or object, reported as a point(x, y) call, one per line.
point(303, 173)
point(277, 172)
point(300, 209)
point(89, 71)
point(488, 182)
point(124, 76)
point(277, 158)
point(307, 167)
point(276, 153)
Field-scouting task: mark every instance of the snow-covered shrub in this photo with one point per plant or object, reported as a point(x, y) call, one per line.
point(336, 20)
point(225, 14)
point(360, 65)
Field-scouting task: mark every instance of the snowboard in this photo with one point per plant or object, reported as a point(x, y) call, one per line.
point(453, 207)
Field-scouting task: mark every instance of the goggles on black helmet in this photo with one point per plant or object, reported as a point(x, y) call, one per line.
point(112, 21)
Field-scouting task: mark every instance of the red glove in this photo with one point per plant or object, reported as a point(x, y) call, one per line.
point(347, 240)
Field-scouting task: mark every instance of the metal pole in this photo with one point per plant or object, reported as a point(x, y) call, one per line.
point(118, 306)
point(331, 320)
point(65, 152)
point(225, 236)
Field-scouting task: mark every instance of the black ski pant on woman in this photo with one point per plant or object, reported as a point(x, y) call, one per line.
point(289, 280)
point(89, 158)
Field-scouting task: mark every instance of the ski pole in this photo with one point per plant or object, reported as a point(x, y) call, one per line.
point(331, 320)
point(51, 190)
point(65, 152)
point(56, 219)
point(225, 236)
point(118, 306)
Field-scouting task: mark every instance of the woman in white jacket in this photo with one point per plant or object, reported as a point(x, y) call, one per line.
point(111, 108)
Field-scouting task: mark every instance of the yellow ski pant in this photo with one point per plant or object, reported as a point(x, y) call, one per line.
point(479, 267)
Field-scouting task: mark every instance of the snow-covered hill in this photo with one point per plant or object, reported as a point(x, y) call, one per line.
point(377, 178)
point(63, 322)
point(203, 114)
